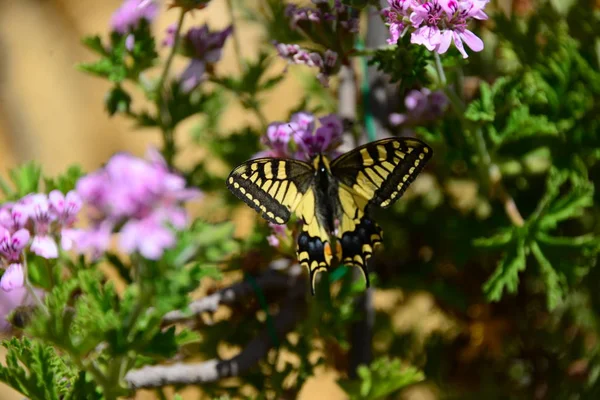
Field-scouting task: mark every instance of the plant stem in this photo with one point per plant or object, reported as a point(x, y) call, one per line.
point(490, 171)
point(236, 41)
point(440, 69)
point(30, 288)
point(165, 72)
point(237, 48)
point(169, 148)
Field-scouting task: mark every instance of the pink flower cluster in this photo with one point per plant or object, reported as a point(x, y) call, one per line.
point(38, 221)
point(436, 24)
point(140, 199)
point(294, 54)
point(298, 138)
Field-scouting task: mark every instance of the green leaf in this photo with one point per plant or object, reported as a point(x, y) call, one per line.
point(555, 283)
point(65, 182)
point(405, 63)
point(117, 100)
point(499, 240)
point(26, 179)
point(506, 275)
point(380, 379)
point(483, 109)
point(94, 43)
point(35, 370)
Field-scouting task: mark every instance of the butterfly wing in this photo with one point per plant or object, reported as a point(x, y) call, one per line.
point(277, 187)
point(314, 248)
point(273, 187)
point(358, 235)
point(377, 173)
point(381, 171)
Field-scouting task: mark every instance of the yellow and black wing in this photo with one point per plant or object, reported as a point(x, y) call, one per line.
point(273, 187)
point(381, 171)
point(277, 187)
point(314, 248)
point(377, 173)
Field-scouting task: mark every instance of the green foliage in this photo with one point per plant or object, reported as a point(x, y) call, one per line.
point(65, 182)
point(117, 63)
point(25, 180)
point(405, 63)
point(35, 370)
point(537, 234)
point(381, 379)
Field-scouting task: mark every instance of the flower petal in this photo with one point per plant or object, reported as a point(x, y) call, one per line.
point(445, 41)
point(44, 246)
point(13, 277)
point(474, 42)
point(459, 45)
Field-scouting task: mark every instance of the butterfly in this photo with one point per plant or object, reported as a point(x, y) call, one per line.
point(332, 198)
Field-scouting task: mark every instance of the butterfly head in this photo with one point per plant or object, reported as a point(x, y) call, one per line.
point(321, 164)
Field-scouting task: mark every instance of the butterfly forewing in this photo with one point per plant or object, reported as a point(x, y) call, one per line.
point(273, 187)
point(381, 171)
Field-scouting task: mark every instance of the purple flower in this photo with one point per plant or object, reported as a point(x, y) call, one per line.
point(142, 197)
point(279, 232)
point(129, 42)
point(169, 39)
point(13, 216)
point(326, 138)
point(421, 106)
point(459, 12)
point(203, 47)
point(397, 17)
point(278, 137)
point(327, 63)
point(43, 243)
point(339, 16)
point(13, 277)
point(298, 138)
point(149, 236)
point(131, 12)
point(11, 249)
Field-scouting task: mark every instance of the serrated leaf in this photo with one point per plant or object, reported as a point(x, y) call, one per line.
point(554, 282)
point(499, 240)
point(482, 109)
point(94, 43)
point(117, 100)
point(506, 275)
point(35, 369)
point(380, 379)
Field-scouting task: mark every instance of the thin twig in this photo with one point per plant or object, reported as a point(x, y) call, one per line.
point(236, 41)
point(167, 129)
point(213, 370)
point(270, 280)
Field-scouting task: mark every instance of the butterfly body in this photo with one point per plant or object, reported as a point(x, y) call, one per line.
point(332, 198)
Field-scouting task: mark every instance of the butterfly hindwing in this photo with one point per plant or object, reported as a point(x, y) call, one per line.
point(377, 174)
point(273, 187)
point(314, 248)
point(381, 171)
point(358, 235)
